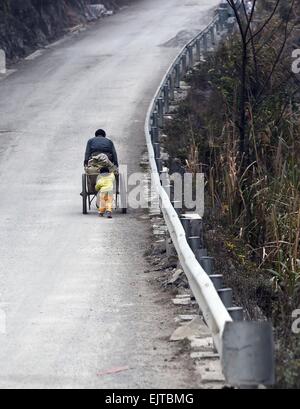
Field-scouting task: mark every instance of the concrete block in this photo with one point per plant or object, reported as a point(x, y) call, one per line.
point(195, 328)
point(202, 344)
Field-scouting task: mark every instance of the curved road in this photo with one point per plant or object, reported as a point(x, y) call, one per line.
point(73, 288)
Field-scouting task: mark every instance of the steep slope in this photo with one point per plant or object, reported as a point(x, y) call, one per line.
point(28, 24)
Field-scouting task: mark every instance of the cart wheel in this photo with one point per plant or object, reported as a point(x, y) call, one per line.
point(84, 194)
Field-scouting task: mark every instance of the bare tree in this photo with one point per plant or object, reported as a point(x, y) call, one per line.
point(250, 32)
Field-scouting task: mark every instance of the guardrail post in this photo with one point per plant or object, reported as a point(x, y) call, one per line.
point(217, 25)
point(164, 177)
point(236, 313)
point(166, 98)
point(177, 204)
point(170, 191)
point(184, 64)
point(217, 280)
point(212, 34)
point(190, 49)
point(2, 62)
point(159, 164)
point(172, 87)
point(156, 147)
point(177, 75)
point(205, 43)
point(195, 222)
point(186, 223)
point(226, 296)
point(201, 253)
point(154, 134)
point(223, 15)
point(198, 49)
point(155, 119)
point(195, 243)
point(248, 354)
point(208, 264)
point(160, 109)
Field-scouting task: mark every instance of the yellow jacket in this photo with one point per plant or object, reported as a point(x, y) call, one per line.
point(105, 183)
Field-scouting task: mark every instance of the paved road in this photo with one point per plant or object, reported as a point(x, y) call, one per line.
point(73, 287)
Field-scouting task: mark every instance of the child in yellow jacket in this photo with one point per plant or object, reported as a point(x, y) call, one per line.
point(105, 187)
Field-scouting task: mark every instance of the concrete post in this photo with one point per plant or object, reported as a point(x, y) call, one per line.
point(160, 109)
point(2, 62)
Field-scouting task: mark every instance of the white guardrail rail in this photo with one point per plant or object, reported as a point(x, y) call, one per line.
point(246, 348)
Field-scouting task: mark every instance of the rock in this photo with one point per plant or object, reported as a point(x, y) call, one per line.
point(216, 376)
point(194, 329)
point(184, 318)
point(181, 301)
point(159, 247)
point(202, 344)
point(98, 10)
point(177, 276)
point(170, 249)
point(204, 355)
point(185, 295)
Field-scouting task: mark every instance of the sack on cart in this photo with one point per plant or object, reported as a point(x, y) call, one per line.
point(98, 162)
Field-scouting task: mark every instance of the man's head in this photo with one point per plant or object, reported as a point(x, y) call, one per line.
point(100, 132)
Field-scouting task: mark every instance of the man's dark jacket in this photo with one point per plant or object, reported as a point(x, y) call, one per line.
point(100, 144)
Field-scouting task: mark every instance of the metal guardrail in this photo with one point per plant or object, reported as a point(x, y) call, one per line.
point(245, 348)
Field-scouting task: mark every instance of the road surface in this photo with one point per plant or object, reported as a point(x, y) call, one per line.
point(73, 288)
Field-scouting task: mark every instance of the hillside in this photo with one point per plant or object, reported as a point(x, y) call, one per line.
point(28, 24)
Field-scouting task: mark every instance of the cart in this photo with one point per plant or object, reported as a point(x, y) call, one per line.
point(89, 193)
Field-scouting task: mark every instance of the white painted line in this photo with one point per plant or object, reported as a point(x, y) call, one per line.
point(2, 62)
point(7, 74)
point(57, 43)
point(34, 55)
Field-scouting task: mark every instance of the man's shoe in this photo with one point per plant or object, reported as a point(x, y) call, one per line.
point(109, 215)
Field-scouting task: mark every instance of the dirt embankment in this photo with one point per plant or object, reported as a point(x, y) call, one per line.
point(26, 25)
